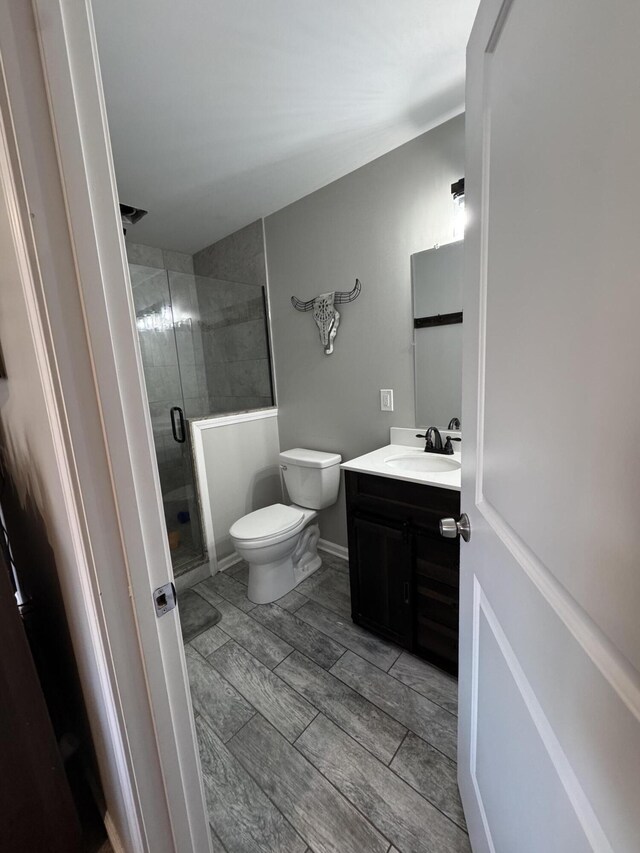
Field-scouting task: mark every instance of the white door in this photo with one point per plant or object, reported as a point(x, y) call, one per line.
point(550, 579)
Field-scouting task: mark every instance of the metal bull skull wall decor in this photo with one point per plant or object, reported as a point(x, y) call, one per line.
point(325, 313)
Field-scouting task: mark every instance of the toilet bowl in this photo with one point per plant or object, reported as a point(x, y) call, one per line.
point(279, 542)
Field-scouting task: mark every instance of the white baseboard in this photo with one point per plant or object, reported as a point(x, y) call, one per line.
point(112, 834)
point(332, 548)
point(229, 561)
point(323, 544)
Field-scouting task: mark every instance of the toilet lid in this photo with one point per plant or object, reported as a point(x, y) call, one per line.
point(266, 522)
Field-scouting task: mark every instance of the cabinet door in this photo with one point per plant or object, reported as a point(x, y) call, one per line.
point(380, 568)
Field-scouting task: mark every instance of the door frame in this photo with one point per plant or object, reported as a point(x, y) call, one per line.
point(61, 173)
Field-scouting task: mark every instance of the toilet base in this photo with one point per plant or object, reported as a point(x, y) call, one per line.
point(307, 568)
point(269, 582)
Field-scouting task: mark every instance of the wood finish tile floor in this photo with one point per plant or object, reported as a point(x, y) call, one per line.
point(315, 735)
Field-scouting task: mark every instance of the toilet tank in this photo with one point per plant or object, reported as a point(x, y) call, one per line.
point(312, 477)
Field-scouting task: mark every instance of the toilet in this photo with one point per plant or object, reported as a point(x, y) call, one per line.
point(280, 543)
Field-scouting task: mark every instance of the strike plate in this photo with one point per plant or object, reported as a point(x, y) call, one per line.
point(164, 599)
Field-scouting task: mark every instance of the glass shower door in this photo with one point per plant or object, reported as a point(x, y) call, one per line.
point(163, 328)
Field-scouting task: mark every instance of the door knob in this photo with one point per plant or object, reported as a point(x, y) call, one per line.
point(451, 529)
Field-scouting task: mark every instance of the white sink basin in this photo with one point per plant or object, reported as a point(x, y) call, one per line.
point(428, 463)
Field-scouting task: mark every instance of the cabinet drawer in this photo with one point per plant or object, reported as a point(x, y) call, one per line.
point(400, 501)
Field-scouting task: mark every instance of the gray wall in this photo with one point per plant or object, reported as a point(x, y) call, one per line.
point(365, 225)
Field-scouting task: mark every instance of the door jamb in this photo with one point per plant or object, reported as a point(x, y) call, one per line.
point(77, 201)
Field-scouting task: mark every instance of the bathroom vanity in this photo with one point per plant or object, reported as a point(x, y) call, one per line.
point(404, 574)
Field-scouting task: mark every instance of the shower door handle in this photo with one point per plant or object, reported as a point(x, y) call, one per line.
point(181, 435)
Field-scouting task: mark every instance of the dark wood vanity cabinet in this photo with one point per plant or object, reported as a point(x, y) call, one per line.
point(404, 575)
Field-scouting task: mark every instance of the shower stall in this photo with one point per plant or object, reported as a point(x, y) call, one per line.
point(205, 352)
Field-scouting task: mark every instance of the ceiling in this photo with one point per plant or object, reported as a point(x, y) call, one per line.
point(223, 111)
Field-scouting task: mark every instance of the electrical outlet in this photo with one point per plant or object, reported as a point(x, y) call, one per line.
point(386, 400)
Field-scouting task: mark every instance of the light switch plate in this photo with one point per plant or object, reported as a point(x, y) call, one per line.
point(386, 400)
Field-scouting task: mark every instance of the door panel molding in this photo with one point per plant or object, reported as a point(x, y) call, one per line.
point(609, 660)
point(483, 272)
point(473, 734)
point(575, 558)
point(565, 772)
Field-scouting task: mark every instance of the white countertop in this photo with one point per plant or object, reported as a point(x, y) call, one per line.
point(374, 463)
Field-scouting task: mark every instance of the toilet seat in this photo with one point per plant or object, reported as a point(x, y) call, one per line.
point(268, 523)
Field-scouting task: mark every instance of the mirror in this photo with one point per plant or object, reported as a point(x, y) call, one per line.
point(436, 277)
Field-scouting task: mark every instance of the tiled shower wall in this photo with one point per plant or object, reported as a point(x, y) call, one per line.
point(234, 340)
point(235, 331)
point(221, 329)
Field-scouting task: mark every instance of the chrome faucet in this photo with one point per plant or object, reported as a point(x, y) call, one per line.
point(433, 442)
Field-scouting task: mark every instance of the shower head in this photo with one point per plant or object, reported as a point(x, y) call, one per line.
point(130, 215)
